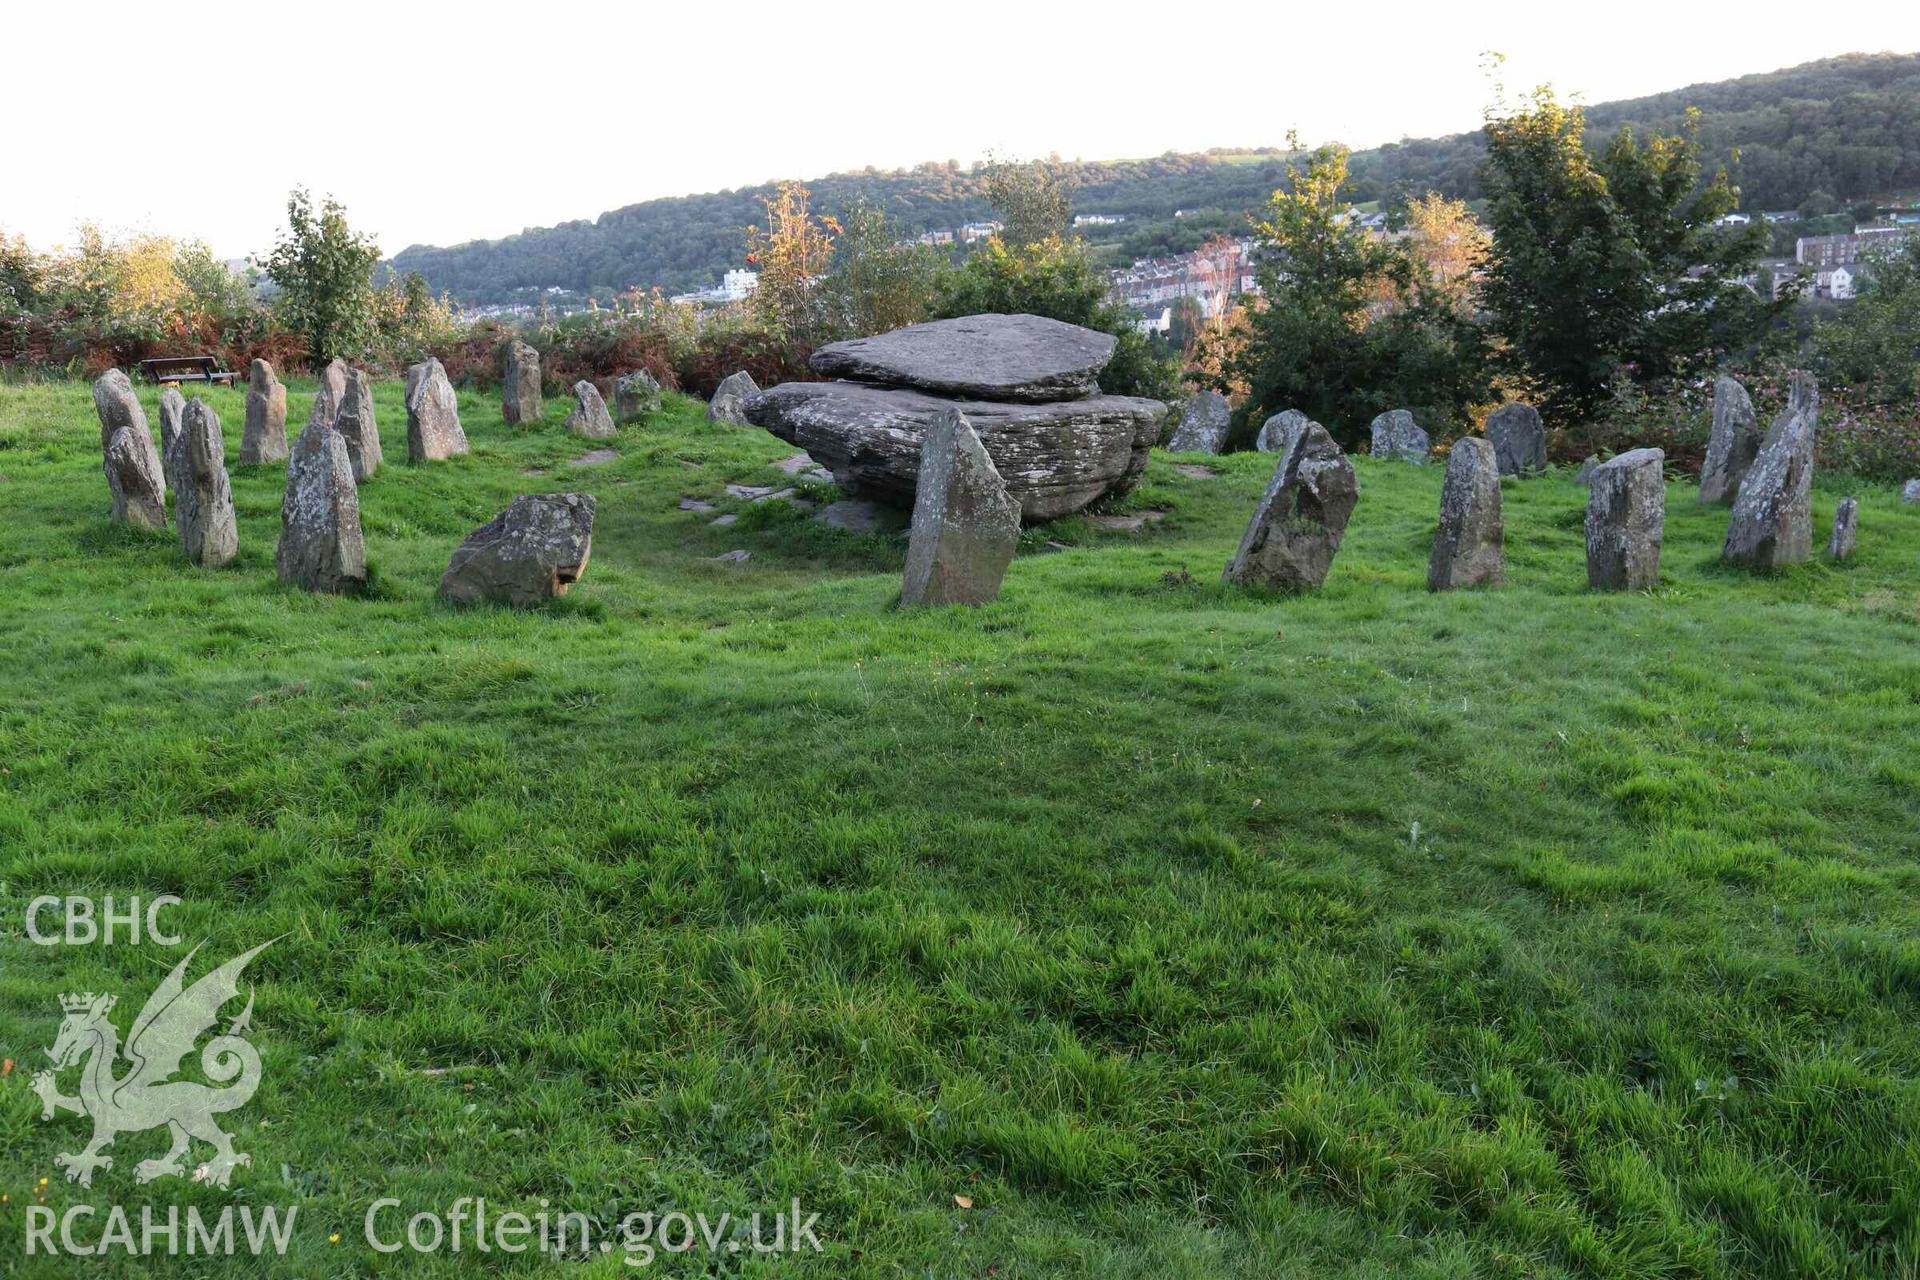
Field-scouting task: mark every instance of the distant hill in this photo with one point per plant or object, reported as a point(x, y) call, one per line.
point(1843, 129)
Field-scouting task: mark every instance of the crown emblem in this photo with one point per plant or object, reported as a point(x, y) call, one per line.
point(86, 1002)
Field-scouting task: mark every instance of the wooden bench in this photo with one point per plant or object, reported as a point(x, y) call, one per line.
point(186, 369)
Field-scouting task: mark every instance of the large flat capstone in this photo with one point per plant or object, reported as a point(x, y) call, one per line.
point(990, 357)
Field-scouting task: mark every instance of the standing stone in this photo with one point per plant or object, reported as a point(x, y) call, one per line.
point(1273, 432)
point(1584, 476)
point(173, 406)
point(1910, 491)
point(203, 497)
point(331, 393)
point(589, 417)
point(1302, 516)
point(1203, 424)
point(135, 477)
point(635, 396)
point(528, 554)
point(433, 415)
point(320, 544)
point(965, 523)
point(1772, 521)
point(356, 426)
point(1626, 518)
point(1732, 446)
point(729, 399)
point(1846, 521)
point(1469, 546)
point(264, 438)
point(520, 389)
point(1519, 438)
point(1397, 435)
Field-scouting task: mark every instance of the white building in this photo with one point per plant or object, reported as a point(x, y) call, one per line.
point(1155, 323)
point(734, 286)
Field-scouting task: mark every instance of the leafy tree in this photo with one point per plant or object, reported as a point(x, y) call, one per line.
point(879, 280)
point(324, 270)
point(1034, 201)
point(791, 254)
point(210, 288)
point(1610, 262)
point(1874, 343)
point(1348, 325)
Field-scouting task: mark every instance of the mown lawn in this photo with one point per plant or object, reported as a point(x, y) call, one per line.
point(1182, 931)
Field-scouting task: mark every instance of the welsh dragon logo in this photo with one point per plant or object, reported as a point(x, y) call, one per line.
point(146, 1096)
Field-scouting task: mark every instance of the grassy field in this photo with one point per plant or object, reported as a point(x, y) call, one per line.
point(1173, 929)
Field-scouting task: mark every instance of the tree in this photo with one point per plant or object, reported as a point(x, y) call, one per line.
point(1034, 201)
point(1348, 324)
point(880, 282)
point(791, 254)
point(1610, 263)
point(325, 273)
point(1874, 343)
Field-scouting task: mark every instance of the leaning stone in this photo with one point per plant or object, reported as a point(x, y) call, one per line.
point(589, 417)
point(1022, 358)
point(173, 406)
point(1772, 521)
point(264, 438)
point(1397, 435)
point(321, 548)
point(1846, 521)
point(1469, 544)
point(965, 523)
point(134, 479)
point(520, 386)
point(433, 415)
point(730, 397)
point(356, 426)
point(528, 554)
point(1302, 516)
point(1203, 424)
point(635, 396)
point(1910, 491)
point(203, 497)
point(1732, 446)
point(1519, 438)
point(118, 406)
point(1273, 432)
point(1626, 518)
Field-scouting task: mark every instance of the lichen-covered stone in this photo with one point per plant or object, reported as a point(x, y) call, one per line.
point(1396, 435)
point(1273, 432)
point(203, 496)
point(1469, 545)
point(520, 386)
point(1204, 421)
point(356, 426)
point(1846, 520)
point(590, 417)
point(264, 437)
point(635, 396)
point(1518, 437)
point(1302, 517)
point(528, 554)
point(433, 415)
point(1626, 519)
point(730, 399)
point(965, 523)
point(1734, 443)
point(173, 407)
point(1772, 522)
point(134, 479)
point(321, 548)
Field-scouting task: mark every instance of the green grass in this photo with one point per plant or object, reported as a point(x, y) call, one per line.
point(1186, 931)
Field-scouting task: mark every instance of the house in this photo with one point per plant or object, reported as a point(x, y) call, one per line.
point(1733, 220)
point(1780, 215)
point(1151, 324)
point(1823, 253)
point(1098, 219)
point(1836, 284)
point(733, 286)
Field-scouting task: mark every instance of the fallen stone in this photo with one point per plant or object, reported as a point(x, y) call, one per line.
point(356, 426)
point(1772, 521)
point(1055, 458)
point(264, 437)
point(590, 417)
point(966, 526)
point(796, 464)
point(1469, 545)
point(203, 496)
point(1203, 424)
point(434, 433)
point(1397, 435)
point(1273, 432)
point(852, 515)
point(1023, 358)
point(528, 554)
point(734, 557)
point(1518, 437)
point(321, 548)
point(721, 522)
point(134, 479)
point(594, 458)
point(1846, 520)
point(1195, 470)
point(750, 491)
point(730, 397)
point(635, 396)
point(1302, 517)
point(1626, 518)
point(777, 495)
point(1734, 443)
point(520, 386)
point(695, 504)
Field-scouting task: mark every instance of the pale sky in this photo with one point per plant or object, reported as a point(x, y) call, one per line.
point(458, 121)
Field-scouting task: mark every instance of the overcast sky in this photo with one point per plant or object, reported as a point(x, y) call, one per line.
point(466, 121)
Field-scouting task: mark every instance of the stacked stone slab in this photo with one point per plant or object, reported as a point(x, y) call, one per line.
point(136, 480)
point(1846, 523)
point(1772, 521)
point(590, 417)
point(729, 403)
point(528, 554)
point(1204, 421)
point(1273, 432)
point(203, 496)
point(433, 415)
point(1733, 444)
point(1302, 516)
point(1626, 519)
point(1519, 438)
point(965, 523)
point(1054, 455)
point(354, 421)
point(1469, 545)
point(321, 548)
point(635, 396)
point(520, 386)
point(264, 437)
point(1396, 435)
